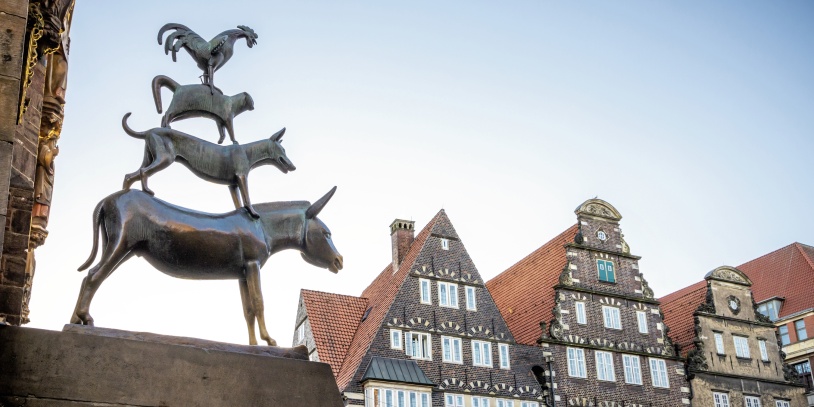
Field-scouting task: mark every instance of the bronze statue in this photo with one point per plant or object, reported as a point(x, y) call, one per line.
point(197, 101)
point(193, 245)
point(209, 55)
point(228, 165)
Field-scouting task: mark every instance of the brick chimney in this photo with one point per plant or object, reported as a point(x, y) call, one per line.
point(402, 233)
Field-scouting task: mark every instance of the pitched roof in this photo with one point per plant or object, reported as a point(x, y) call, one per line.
point(333, 319)
point(524, 293)
point(380, 294)
point(678, 308)
point(786, 272)
point(396, 370)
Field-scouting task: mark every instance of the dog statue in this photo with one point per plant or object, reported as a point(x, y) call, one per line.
point(228, 165)
point(199, 101)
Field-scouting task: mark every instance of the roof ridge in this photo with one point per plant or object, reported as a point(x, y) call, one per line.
point(803, 252)
point(533, 253)
point(325, 292)
point(409, 259)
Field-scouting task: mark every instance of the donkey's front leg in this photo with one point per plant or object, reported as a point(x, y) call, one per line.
point(248, 310)
point(253, 280)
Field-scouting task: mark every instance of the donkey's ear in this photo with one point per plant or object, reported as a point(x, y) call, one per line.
point(317, 206)
point(278, 136)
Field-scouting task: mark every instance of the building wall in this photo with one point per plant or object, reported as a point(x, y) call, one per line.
point(703, 386)
point(308, 334)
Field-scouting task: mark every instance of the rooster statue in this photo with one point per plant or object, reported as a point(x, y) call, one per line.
point(209, 55)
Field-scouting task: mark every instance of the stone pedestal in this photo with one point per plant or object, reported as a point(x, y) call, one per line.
point(82, 368)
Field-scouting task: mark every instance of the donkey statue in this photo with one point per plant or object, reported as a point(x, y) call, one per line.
point(194, 245)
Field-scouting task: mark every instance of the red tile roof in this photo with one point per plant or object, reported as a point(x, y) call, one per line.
point(334, 319)
point(678, 308)
point(524, 293)
point(786, 272)
point(380, 294)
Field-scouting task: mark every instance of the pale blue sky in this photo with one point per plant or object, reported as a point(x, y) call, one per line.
point(694, 119)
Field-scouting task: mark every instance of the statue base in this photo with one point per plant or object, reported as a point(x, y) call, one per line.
point(86, 366)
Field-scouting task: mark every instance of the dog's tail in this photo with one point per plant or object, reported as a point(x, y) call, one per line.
point(97, 220)
point(159, 82)
point(131, 132)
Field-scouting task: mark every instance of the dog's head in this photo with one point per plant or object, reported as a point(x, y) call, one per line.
point(276, 153)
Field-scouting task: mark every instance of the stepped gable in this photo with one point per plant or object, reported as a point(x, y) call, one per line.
point(333, 319)
point(380, 294)
point(678, 308)
point(524, 293)
point(789, 271)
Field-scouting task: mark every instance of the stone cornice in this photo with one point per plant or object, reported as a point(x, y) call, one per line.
point(606, 349)
point(734, 376)
point(744, 321)
point(606, 294)
point(596, 249)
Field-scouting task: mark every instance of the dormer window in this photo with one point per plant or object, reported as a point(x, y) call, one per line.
point(601, 235)
point(444, 244)
point(771, 308)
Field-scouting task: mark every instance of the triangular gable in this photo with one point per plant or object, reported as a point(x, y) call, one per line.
point(524, 293)
point(334, 319)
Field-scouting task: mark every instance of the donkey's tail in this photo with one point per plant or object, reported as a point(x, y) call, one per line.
point(97, 220)
point(131, 132)
point(159, 82)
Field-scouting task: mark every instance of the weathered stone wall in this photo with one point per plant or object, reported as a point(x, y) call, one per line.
point(703, 385)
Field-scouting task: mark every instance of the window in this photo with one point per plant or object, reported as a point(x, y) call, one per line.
point(471, 303)
point(395, 339)
point(633, 371)
point(448, 295)
point(529, 404)
point(481, 353)
point(444, 244)
point(576, 362)
point(417, 345)
point(741, 346)
point(782, 403)
point(764, 355)
point(770, 309)
point(301, 332)
point(505, 403)
point(503, 355)
point(800, 327)
point(803, 368)
point(604, 366)
point(580, 308)
point(452, 349)
point(641, 317)
point(719, 343)
point(601, 235)
point(720, 399)
point(611, 315)
point(384, 397)
point(784, 334)
point(605, 269)
point(658, 369)
point(454, 400)
point(752, 401)
point(480, 402)
point(425, 291)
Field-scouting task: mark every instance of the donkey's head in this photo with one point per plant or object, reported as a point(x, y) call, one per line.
point(276, 153)
point(318, 248)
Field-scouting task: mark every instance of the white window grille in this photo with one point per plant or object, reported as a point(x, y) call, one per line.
point(418, 345)
point(454, 400)
point(658, 370)
point(529, 404)
point(580, 311)
point(505, 403)
point(720, 399)
point(385, 397)
point(503, 355)
point(604, 366)
point(481, 353)
point(641, 318)
point(471, 301)
point(452, 349)
point(611, 316)
point(480, 402)
point(576, 362)
point(782, 403)
point(425, 291)
point(444, 244)
point(633, 370)
point(752, 401)
point(719, 343)
point(395, 339)
point(764, 355)
point(448, 294)
point(301, 332)
point(741, 346)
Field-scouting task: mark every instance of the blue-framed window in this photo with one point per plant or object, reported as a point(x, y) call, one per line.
point(606, 271)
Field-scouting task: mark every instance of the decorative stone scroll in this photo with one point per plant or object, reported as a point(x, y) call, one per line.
point(599, 209)
point(729, 274)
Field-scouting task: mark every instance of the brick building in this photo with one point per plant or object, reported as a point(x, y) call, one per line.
point(425, 332)
point(733, 354)
point(582, 298)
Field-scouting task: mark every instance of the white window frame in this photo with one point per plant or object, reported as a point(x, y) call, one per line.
point(800, 330)
point(446, 297)
point(301, 332)
point(421, 398)
point(424, 340)
point(422, 284)
point(529, 404)
point(720, 399)
point(579, 310)
point(396, 344)
point(478, 401)
point(604, 366)
point(504, 403)
point(444, 244)
point(751, 401)
point(453, 400)
point(764, 354)
point(658, 373)
point(782, 403)
point(633, 369)
point(641, 318)
point(451, 350)
point(741, 346)
point(576, 362)
point(719, 343)
point(471, 298)
point(612, 318)
point(503, 355)
point(482, 350)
